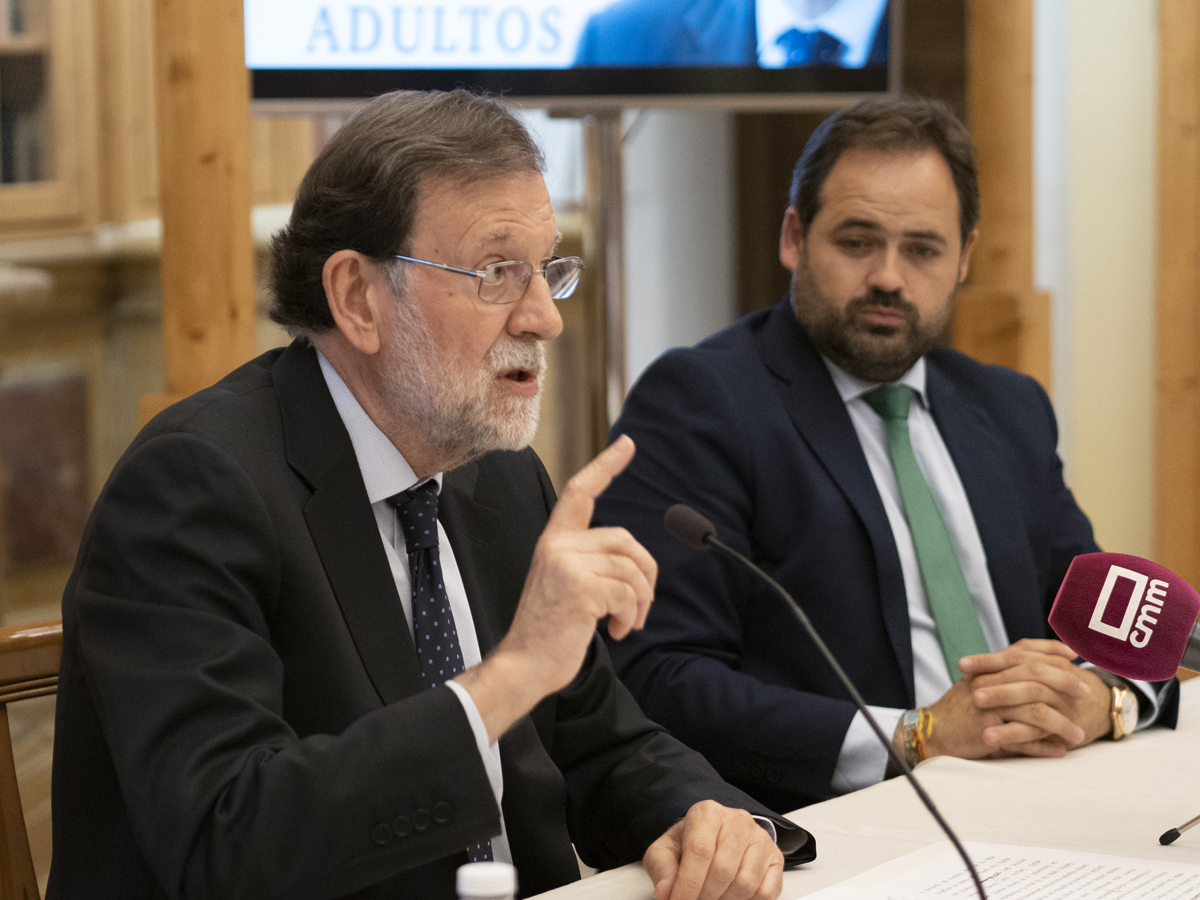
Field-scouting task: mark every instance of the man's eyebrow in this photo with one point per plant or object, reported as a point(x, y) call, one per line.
point(871, 225)
point(935, 236)
point(503, 237)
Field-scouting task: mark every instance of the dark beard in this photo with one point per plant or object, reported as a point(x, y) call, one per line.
point(857, 347)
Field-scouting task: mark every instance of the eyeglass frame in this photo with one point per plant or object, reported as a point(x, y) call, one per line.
point(481, 274)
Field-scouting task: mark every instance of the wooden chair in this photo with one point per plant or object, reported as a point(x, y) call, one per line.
point(29, 660)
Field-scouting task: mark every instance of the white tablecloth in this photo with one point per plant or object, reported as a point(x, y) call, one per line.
point(1113, 798)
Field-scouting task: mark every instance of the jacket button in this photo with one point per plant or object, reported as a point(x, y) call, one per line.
point(401, 826)
point(420, 819)
point(381, 835)
point(441, 812)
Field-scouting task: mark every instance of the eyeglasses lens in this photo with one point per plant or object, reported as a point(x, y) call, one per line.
point(506, 282)
point(562, 275)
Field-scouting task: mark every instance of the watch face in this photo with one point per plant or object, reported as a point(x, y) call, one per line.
point(1129, 712)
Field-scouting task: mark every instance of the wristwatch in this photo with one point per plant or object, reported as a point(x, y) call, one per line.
point(1123, 707)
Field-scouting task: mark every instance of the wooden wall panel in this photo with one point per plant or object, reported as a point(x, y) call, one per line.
point(1177, 428)
point(203, 92)
point(1000, 116)
point(130, 157)
point(1001, 317)
point(281, 150)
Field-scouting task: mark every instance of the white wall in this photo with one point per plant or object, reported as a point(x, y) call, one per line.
point(562, 144)
point(1096, 96)
point(680, 228)
point(680, 231)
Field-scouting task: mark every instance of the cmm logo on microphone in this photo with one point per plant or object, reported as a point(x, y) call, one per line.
point(1138, 618)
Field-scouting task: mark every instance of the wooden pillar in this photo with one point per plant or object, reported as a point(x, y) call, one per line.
point(1177, 405)
point(1001, 317)
point(203, 95)
point(604, 239)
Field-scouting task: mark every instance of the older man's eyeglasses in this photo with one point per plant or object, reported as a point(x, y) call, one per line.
point(507, 282)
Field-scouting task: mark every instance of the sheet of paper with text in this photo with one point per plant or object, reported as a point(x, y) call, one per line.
point(1020, 873)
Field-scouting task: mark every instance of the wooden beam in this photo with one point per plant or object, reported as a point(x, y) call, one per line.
point(1005, 327)
point(1000, 108)
point(1177, 398)
point(1001, 317)
point(203, 104)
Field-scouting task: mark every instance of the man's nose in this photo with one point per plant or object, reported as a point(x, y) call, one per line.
point(535, 314)
point(886, 275)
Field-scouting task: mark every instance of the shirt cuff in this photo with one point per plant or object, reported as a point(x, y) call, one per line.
point(495, 776)
point(863, 760)
point(769, 826)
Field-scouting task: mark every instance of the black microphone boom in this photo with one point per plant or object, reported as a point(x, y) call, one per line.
point(699, 533)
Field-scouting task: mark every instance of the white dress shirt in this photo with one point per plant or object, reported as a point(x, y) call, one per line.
point(385, 473)
point(853, 22)
point(863, 759)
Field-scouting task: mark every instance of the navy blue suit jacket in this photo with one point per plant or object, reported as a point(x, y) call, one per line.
point(749, 429)
point(683, 33)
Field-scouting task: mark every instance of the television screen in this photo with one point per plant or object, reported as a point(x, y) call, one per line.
point(630, 51)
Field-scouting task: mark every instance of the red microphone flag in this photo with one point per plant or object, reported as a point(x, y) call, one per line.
point(1125, 614)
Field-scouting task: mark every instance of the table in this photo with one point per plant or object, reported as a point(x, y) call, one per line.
point(1113, 798)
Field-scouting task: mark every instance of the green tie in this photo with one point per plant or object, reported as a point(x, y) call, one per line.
point(945, 588)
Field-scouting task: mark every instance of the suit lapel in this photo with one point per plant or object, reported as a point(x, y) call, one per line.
point(819, 415)
point(471, 528)
point(343, 527)
point(984, 466)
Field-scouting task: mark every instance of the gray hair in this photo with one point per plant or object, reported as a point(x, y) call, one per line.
point(361, 192)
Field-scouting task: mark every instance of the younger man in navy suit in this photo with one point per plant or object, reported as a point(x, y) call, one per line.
point(909, 497)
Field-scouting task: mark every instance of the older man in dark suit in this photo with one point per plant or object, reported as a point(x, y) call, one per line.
point(325, 636)
point(910, 498)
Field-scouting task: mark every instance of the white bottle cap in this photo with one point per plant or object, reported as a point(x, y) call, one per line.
point(486, 879)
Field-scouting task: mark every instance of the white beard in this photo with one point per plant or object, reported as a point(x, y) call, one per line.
point(459, 416)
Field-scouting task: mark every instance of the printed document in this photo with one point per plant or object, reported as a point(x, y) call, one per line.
point(1020, 873)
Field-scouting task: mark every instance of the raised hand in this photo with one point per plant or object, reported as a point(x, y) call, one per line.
point(578, 576)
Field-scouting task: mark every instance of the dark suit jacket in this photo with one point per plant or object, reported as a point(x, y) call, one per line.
point(683, 33)
point(240, 711)
point(749, 429)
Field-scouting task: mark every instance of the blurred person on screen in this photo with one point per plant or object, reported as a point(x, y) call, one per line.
point(768, 33)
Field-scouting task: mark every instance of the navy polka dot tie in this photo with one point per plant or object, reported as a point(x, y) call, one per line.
point(434, 634)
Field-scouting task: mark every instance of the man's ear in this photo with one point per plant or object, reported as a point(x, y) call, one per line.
point(354, 289)
point(964, 259)
point(791, 240)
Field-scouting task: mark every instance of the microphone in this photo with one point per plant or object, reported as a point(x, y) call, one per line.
point(698, 533)
point(1128, 615)
point(1131, 616)
point(1169, 837)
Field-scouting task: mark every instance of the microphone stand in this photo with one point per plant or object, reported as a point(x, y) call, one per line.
point(709, 538)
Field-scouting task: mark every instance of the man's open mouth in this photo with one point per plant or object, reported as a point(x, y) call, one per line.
point(519, 375)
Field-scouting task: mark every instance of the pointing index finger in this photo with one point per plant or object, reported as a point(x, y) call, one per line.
point(573, 512)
